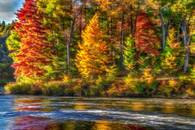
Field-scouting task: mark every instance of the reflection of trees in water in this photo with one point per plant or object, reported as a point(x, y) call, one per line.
point(32, 104)
point(41, 123)
point(80, 106)
point(137, 106)
point(102, 125)
point(193, 109)
point(69, 126)
point(106, 125)
point(168, 107)
point(32, 123)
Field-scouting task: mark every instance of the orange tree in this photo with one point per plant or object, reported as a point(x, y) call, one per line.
point(35, 52)
point(145, 38)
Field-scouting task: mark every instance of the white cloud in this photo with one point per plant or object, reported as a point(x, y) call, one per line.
point(7, 16)
point(8, 9)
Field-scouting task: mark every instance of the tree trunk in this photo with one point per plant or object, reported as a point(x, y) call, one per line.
point(68, 45)
point(82, 17)
point(132, 26)
point(131, 23)
point(81, 24)
point(121, 41)
point(186, 41)
point(178, 33)
point(164, 27)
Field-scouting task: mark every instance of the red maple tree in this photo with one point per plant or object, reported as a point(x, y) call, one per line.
point(145, 38)
point(35, 51)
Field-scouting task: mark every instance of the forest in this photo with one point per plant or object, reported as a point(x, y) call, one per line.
point(109, 48)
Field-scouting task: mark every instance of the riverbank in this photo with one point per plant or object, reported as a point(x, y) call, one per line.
point(119, 87)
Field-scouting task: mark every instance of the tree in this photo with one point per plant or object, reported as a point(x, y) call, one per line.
point(169, 61)
point(13, 44)
point(165, 14)
point(121, 19)
point(35, 52)
point(145, 38)
point(93, 58)
point(5, 29)
point(5, 63)
point(129, 54)
point(183, 10)
point(65, 20)
point(57, 19)
point(6, 72)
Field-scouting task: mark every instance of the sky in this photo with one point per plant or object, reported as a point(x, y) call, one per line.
point(8, 9)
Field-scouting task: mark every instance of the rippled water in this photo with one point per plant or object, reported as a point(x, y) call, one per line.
point(57, 113)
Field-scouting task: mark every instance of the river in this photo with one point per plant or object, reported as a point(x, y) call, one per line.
point(67, 113)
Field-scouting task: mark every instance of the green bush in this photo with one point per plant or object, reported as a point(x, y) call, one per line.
point(24, 85)
point(18, 88)
point(130, 82)
point(54, 88)
point(99, 86)
point(146, 89)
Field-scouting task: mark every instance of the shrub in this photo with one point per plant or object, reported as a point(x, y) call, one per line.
point(17, 88)
point(190, 91)
point(193, 72)
point(54, 88)
point(67, 79)
point(118, 89)
point(129, 53)
point(169, 87)
point(148, 89)
point(98, 86)
point(130, 82)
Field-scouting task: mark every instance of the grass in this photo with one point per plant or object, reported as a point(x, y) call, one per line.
point(121, 87)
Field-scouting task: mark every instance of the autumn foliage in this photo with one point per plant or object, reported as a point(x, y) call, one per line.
point(101, 47)
point(93, 57)
point(35, 51)
point(145, 38)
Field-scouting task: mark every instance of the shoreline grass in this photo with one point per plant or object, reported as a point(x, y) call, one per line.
point(119, 87)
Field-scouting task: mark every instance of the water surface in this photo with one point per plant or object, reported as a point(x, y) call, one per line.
point(67, 113)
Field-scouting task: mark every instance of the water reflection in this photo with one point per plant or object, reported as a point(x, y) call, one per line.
point(168, 107)
point(193, 109)
point(39, 123)
point(32, 104)
point(103, 125)
point(57, 113)
point(30, 123)
point(137, 106)
point(80, 106)
point(6, 106)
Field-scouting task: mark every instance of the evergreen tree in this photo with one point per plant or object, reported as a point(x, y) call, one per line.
point(129, 54)
point(13, 44)
point(171, 53)
point(93, 58)
point(5, 63)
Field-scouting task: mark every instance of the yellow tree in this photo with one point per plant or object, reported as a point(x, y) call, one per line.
point(171, 52)
point(93, 58)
